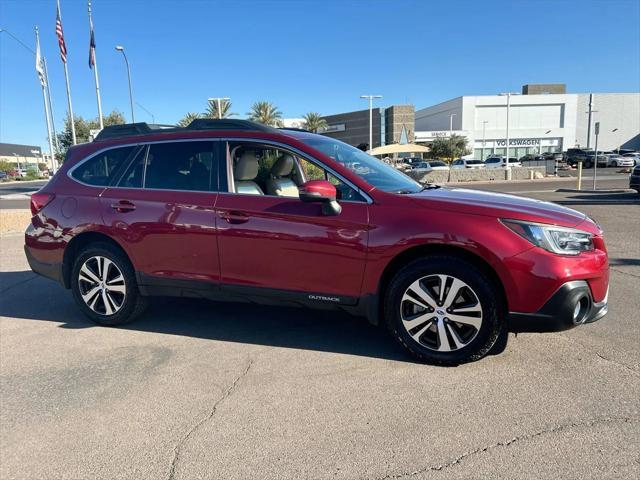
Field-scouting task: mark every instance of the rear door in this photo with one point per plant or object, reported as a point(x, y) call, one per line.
point(162, 210)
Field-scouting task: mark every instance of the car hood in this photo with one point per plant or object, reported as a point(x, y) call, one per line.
point(500, 205)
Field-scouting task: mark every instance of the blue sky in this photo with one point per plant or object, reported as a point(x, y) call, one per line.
point(310, 56)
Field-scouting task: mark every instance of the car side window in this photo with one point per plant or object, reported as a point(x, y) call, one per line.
point(101, 169)
point(180, 166)
point(262, 169)
point(134, 175)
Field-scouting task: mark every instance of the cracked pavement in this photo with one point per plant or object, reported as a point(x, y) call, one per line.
point(221, 390)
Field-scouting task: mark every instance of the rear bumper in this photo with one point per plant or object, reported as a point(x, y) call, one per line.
point(571, 305)
point(49, 270)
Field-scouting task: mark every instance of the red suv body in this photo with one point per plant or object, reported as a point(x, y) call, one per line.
point(231, 210)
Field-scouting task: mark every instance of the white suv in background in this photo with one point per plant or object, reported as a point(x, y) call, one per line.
point(499, 161)
point(462, 163)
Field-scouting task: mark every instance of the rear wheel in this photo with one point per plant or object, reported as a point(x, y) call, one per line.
point(443, 310)
point(104, 286)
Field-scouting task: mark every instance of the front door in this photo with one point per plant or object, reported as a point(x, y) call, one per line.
point(162, 211)
point(273, 242)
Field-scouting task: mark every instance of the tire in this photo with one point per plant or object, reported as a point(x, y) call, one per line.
point(425, 329)
point(588, 164)
point(119, 302)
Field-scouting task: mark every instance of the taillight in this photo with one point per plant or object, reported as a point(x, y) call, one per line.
point(39, 200)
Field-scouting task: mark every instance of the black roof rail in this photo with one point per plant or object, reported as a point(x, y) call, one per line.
point(142, 128)
point(127, 129)
point(228, 124)
point(295, 129)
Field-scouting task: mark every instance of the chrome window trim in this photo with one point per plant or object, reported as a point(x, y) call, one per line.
point(135, 144)
point(318, 163)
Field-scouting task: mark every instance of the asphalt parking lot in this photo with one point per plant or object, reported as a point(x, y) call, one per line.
point(221, 390)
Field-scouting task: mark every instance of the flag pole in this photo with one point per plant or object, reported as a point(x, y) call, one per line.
point(66, 75)
point(53, 118)
point(93, 63)
point(43, 84)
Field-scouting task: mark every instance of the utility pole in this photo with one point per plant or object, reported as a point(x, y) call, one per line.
point(595, 164)
point(590, 112)
point(451, 115)
point(370, 97)
point(484, 130)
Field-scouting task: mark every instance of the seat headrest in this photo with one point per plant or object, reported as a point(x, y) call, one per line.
point(247, 167)
point(283, 166)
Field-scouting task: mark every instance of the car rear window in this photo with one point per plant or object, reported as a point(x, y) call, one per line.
point(100, 169)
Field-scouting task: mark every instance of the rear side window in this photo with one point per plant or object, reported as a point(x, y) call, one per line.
point(101, 169)
point(181, 166)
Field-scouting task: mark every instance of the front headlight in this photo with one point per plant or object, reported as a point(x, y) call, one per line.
point(561, 240)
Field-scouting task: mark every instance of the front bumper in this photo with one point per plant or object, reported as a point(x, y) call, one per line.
point(571, 305)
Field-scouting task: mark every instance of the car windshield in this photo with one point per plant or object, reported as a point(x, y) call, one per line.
point(474, 162)
point(373, 171)
point(438, 164)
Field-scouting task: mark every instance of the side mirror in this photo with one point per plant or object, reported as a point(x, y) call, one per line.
point(321, 191)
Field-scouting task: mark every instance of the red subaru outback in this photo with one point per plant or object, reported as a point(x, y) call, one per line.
point(233, 210)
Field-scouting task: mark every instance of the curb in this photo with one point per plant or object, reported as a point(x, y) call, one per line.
point(588, 190)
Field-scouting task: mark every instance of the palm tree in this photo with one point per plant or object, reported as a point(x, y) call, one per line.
point(212, 109)
point(188, 118)
point(313, 122)
point(266, 113)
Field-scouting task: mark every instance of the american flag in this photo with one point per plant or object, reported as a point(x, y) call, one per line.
point(92, 46)
point(60, 35)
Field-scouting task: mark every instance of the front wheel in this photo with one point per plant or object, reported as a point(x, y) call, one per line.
point(104, 286)
point(444, 310)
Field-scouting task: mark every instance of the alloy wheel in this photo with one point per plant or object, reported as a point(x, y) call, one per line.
point(102, 285)
point(441, 313)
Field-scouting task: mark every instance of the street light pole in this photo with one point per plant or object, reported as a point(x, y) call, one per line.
point(484, 131)
point(120, 48)
point(508, 165)
point(370, 97)
point(218, 101)
point(451, 115)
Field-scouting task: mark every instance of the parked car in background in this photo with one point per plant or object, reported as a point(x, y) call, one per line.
point(498, 161)
point(634, 179)
point(615, 160)
point(462, 163)
point(532, 158)
point(557, 156)
point(429, 166)
point(576, 155)
point(231, 209)
point(3, 175)
point(412, 160)
point(635, 156)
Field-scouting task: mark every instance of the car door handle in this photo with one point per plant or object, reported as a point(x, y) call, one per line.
point(235, 217)
point(123, 206)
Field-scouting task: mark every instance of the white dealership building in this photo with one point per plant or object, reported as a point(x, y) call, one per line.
point(539, 121)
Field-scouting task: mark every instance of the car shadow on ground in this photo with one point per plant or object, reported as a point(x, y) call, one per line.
point(624, 261)
point(327, 331)
point(601, 198)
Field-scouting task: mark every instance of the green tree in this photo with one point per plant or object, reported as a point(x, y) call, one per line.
point(266, 113)
point(212, 109)
point(6, 166)
point(313, 122)
point(83, 128)
point(188, 118)
point(452, 147)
